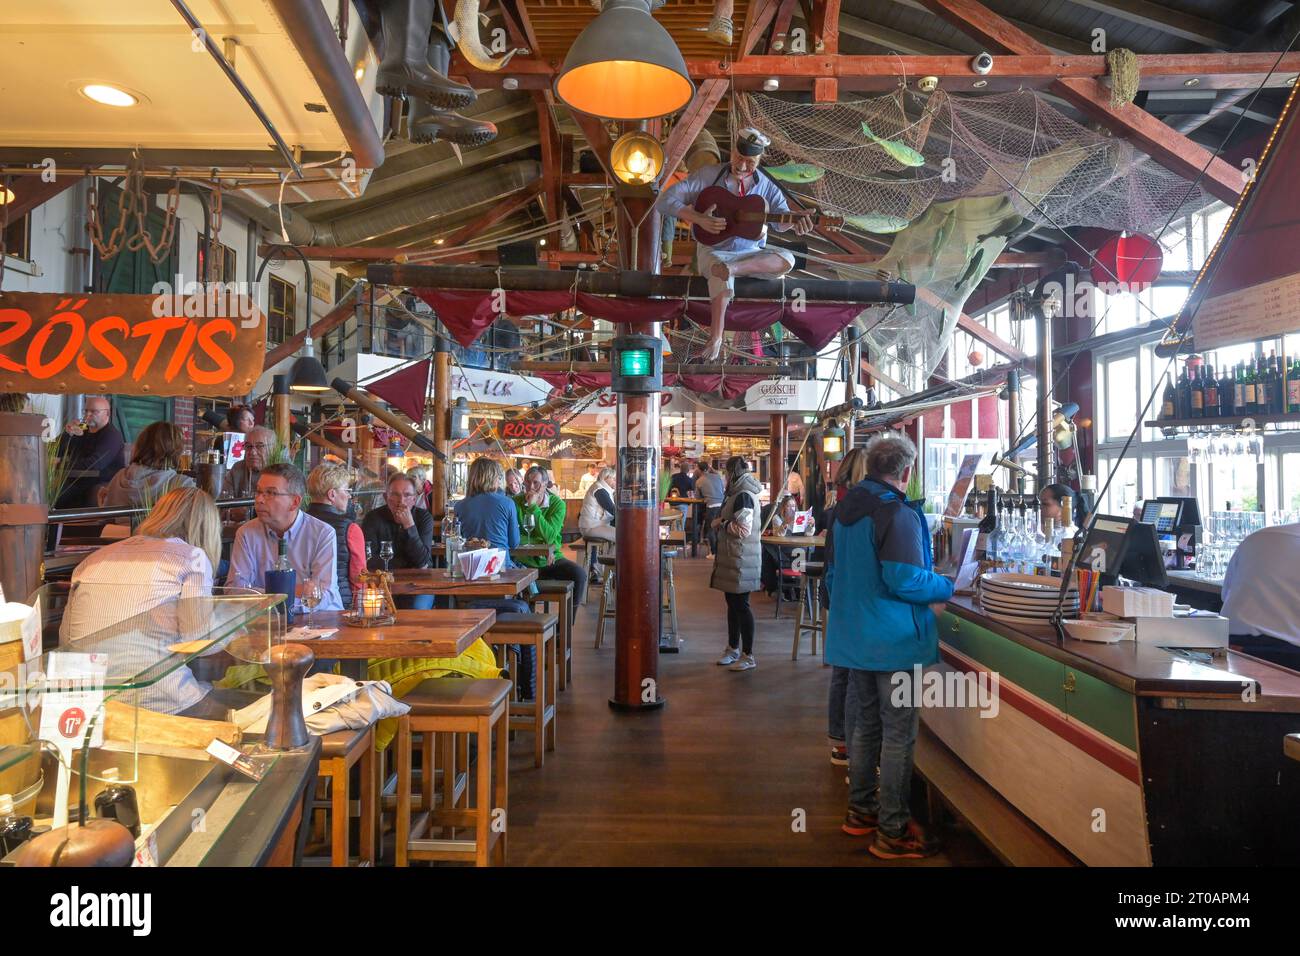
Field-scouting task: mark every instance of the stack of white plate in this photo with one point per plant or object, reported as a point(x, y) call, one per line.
point(1028, 599)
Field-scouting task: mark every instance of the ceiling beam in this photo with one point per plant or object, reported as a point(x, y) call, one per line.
point(552, 186)
point(597, 137)
point(758, 17)
point(1038, 69)
point(1168, 147)
point(1186, 26)
point(688, 126)
point(505, 208)
point(781, 27)
point(32, 192)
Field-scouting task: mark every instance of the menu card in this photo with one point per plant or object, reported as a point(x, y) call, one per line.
point(481, 563)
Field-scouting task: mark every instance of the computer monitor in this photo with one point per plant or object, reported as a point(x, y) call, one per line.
point(1163, 513)
point(1127, 548)
point(1190, 514)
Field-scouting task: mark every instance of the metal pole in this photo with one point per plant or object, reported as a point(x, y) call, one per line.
point(1044, 372)
point(439, 473)
point(777, 454)
point(1013, 421)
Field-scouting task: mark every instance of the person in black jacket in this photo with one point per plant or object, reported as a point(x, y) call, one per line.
point(96, 450)
point(409, 528)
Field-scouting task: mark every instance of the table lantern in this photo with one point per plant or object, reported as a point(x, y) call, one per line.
point(372, 605)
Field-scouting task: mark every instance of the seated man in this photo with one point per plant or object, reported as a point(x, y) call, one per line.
point(312, 546)
point(732, 257)
point(408, 528)
point(1259, 595)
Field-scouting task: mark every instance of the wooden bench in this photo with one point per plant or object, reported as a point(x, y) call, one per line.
point(561, 594)
point(456, 707)
point(538, 715)
point(1011, 836)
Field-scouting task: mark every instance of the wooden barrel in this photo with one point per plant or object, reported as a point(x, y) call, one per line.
point(23, 512)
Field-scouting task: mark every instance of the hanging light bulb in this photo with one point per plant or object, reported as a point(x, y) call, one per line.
point(636, 158)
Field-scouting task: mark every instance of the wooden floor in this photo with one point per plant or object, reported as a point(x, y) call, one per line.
point(718, 777)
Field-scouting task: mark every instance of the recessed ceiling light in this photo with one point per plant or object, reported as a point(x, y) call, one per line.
point(1192, 81)
point(107, 95)
point(541, 241)
point(6, 195)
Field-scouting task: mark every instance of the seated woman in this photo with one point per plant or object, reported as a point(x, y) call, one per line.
point(596, 520)
point(330, 487)
point(164, 568)
point(155, 457)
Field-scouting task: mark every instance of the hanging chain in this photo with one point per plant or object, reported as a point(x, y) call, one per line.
point(216, 209)
point(133, 204)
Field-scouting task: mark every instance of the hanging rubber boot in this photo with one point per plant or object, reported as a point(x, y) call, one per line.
point(424, 124)
point(405, 70)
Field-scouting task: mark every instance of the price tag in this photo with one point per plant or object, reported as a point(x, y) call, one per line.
point(146, 854)
point(237, 759)
point(74, 695)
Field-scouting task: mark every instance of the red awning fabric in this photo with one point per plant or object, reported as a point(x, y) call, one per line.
point(729, 386)
point(468, 313)
point(406, 389)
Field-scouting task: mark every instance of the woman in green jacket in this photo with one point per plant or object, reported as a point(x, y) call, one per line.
point(541, 521)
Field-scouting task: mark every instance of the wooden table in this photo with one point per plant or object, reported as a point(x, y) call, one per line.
point(697, 516)
point(532, 551)
point(436, 633)
point(505, 584)
point(795, 540)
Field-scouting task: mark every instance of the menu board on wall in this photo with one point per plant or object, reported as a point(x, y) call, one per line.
point(1261, 311)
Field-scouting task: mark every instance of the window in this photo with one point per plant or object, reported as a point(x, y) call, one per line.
point(281, 321)
point(222, 267)
point(17, 239)
point(1121, 397)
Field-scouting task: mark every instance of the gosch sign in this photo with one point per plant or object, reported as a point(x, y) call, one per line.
point(530, 431)
point(127, 345)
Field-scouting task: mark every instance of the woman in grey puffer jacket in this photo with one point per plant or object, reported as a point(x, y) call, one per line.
point(738, 564)
point(155, 456)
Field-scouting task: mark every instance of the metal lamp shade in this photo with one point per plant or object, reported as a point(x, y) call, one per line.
point(624, 66)
point(308, 375)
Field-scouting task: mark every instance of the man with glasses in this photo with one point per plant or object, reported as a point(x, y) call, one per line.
point(97, 453)
point(311, 544)
point(407, 527)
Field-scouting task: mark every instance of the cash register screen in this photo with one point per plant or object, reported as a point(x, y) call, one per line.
point(1162, 514)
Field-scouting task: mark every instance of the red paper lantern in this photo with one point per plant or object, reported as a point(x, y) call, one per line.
point(975, 358)
point(1128, 259)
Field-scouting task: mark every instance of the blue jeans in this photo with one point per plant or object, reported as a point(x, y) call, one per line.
point(880, 751)
point(415, 602)
point(842, 708)
point(524, 679)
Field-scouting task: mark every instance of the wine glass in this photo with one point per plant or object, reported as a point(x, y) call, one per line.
point(530, 522)
point(312, 594)
point(385, 553)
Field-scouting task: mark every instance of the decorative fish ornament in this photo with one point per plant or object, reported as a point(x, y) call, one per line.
point(900, 153)
point(878, 223)
point(796, 172)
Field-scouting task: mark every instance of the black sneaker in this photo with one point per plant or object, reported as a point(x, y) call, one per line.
point(914, 844)
point(859, 823)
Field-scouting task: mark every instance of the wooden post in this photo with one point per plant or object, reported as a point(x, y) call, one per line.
point(636, 646)
point(777, 454)
point(440, 474)
point(280, 408)
point(23, 509)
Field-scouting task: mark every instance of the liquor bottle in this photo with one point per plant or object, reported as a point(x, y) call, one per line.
point(1183, 402)
point(1239, 390)
point(1210, 386)
point(1293, 387)
point(14, 830)
point(1226, 393)
point(117, 802)
point(1169, 406)
point(1197, 394)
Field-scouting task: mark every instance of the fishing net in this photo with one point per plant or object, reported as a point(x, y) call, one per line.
point(947, 180)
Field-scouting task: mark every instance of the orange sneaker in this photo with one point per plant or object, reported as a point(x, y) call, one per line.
point(914, 844)
point(857, 823)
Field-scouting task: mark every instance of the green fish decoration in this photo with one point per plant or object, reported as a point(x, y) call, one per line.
point(900, 153)
point(796, 172)
point(878, 223)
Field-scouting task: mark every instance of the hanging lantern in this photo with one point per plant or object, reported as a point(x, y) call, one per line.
point(395, 455)
point(1128, 259)
point(976, 358)
point(833, 442)
point(636, 158)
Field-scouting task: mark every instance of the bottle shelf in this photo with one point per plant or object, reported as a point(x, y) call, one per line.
point(1261, 419)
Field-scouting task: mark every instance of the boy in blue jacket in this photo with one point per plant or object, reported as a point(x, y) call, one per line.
point(885, 598)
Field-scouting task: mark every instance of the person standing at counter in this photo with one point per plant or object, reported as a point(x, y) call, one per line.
point(311, 546)
point(97, 451)
point(712, 487)
point(885, 598)
point(1259, 595)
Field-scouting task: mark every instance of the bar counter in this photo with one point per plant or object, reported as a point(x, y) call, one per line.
point(1127, 754)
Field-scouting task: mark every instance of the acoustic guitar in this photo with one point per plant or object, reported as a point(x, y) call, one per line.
point(746, 215)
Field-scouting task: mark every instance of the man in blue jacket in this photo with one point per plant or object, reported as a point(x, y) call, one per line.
point(884, 600)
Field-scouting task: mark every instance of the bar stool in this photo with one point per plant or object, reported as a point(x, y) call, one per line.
point(607, 593)
point(561, 594)
point(536, 716)
point(456, 706)
point(340, 752)
point(668, 587)
point(810, 599)
point(601, 548)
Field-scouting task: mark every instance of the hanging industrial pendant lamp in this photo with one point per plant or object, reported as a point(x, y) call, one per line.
point(624, 66)
point(308, 374)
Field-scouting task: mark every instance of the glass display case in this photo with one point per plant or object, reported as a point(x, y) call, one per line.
point(134, 701)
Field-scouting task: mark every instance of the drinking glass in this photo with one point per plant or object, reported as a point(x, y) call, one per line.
point(530, 522)
point(385, 553)
point(311, 598)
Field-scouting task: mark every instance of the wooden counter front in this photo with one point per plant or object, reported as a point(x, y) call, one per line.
point(1126, 754)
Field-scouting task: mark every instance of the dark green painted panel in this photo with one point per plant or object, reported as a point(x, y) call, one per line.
point(1103, 707)
point(1034, 672)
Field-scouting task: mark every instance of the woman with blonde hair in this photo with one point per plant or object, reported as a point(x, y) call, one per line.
point(330, 488)
point(164, 568)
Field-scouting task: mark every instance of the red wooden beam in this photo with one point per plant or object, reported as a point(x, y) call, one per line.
point(826, 26)
point(1167, 146)
point(781, 27)
point(758, 17)
point(986, 335)
point(693, 119)
point(525, 25)
point(551, 168)
point(331, 320)
point(597, 138)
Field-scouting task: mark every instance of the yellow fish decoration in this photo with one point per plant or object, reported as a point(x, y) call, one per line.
point(900, 153)
point(796, 172)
